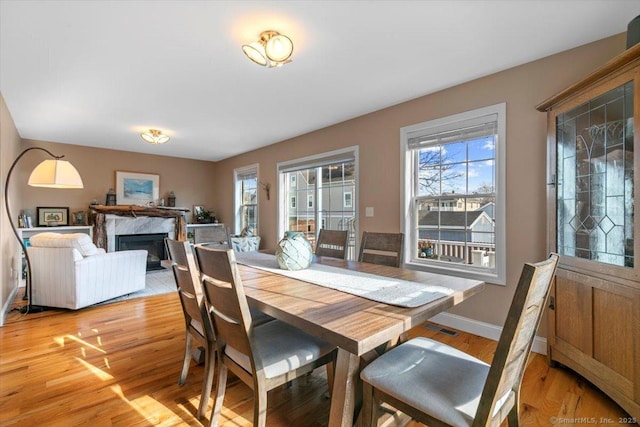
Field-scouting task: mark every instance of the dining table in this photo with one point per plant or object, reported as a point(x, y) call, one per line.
point(356, 325)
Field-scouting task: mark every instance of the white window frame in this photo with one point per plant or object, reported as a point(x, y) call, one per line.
point(238, 195)
point(309, 162)
point(349, 199)
point(409, 221)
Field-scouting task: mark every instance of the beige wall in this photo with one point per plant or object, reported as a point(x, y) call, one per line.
point(9, 248)
point(377, 135)
point(190, 180)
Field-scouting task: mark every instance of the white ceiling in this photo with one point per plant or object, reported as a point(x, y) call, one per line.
point(97, 73)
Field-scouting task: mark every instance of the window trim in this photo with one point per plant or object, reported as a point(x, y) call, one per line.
point(315, 160)
point(344, 201)
point(237, 226)
point(408, 222)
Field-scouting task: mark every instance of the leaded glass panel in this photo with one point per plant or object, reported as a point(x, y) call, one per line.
point(595, 179)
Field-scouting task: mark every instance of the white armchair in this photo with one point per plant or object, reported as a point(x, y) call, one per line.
point(69, 271)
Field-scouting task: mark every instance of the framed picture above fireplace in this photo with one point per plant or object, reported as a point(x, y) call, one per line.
point(136, 188)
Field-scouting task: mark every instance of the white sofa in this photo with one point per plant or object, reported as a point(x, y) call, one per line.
point(69, 271)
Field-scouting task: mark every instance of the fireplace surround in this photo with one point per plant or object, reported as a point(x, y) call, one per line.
point(116, 225)
point(111, 221)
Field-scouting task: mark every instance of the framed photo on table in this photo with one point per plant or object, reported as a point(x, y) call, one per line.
point(137, 188)
point(79, 218)
point(52, 217)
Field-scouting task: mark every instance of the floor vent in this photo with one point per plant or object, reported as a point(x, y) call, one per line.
point(440, 329)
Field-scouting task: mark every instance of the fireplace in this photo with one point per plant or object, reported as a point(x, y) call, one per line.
point(153, 243)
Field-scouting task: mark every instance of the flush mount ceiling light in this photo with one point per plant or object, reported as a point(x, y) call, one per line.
point(154, 136)
point(272, 50)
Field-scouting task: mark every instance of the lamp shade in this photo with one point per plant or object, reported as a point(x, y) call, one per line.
point(55, 174)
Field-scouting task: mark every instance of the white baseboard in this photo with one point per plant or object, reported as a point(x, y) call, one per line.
point(7, 306)
point(485, 330)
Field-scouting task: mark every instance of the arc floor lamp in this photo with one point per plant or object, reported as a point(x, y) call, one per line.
point(50, 173)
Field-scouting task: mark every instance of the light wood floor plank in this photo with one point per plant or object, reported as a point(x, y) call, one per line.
point(118, 364)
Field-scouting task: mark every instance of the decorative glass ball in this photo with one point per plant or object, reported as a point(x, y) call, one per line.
point(294, 251)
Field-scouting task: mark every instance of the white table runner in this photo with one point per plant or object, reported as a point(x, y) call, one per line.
point(383, 289)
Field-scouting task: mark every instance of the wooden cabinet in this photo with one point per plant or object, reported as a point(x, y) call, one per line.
point(595, 330)
point(594, 310)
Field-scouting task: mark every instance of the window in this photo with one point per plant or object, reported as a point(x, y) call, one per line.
point(325, 182)
point(246, 203)
point(348, 199)
point(453, 194)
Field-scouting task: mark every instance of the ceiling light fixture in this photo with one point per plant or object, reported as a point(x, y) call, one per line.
point(272, 50)
point(154, 136)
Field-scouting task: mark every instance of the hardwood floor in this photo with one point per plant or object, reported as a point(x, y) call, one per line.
point(118, 364)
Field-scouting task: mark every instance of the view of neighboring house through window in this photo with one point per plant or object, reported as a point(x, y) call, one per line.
point(246, 180)
point(325, 183)
point(348, 199)
point(454, 194)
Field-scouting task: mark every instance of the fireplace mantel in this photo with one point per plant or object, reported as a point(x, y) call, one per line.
point(97, 217)
point(135, 210)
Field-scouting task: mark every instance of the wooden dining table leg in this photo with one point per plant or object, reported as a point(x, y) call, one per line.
point(343, 396)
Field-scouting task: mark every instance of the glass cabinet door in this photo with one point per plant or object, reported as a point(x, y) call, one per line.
point(595, 179)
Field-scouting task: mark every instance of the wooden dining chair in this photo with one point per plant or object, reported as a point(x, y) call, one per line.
point(198, 323)
point(381, 248)
point(264, 356)
point(332, 243)
point(439, 385)
point(214, 237)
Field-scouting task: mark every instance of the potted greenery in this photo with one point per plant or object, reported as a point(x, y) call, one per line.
point(204, 216)
point(425, 248)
